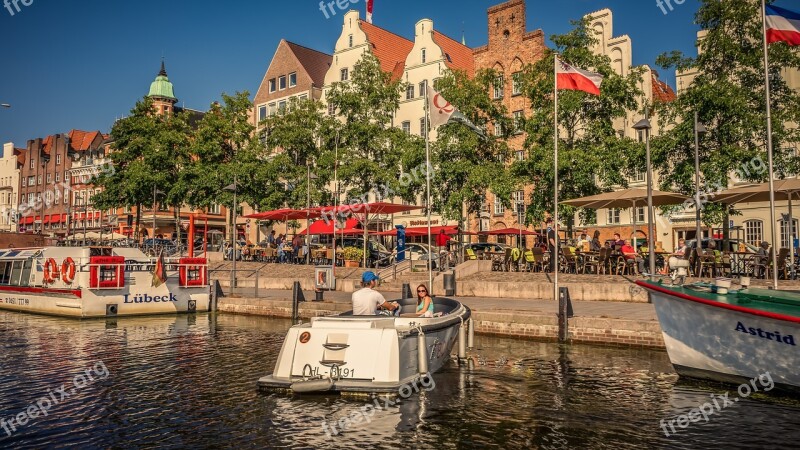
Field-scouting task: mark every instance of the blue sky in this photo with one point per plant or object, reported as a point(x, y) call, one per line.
point(83, 63)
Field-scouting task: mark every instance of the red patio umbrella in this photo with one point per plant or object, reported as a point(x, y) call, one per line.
point(326, 227)
point(285, 214)
point(509, 231)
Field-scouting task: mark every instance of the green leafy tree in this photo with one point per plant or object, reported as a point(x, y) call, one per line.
point(225, 148)
point(372, 151)
point(592, 156)
point(467, 165)
point(294, 140)
point(149, 151)
point(728, 96)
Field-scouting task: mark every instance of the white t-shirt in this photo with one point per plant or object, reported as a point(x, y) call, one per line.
point(366, 301)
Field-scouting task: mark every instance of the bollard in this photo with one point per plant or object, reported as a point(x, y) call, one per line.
point(407, 291)
point(471, 335)
point(297, 298)
point(564, 313)
point(462, 343)
point(422, 354)
point(319, 296)
point(449, 284)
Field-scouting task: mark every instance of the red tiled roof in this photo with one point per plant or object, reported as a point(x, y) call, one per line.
point(20, 152)
point(389, 48)
point(662, 93)
point(82, 140)
point(47, 143)
point(315, 63)
point(457, 55)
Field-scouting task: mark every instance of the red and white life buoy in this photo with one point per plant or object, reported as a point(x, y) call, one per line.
point(50, 271)
point(68, 270)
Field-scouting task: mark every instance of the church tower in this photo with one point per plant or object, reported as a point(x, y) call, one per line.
point(161, 92)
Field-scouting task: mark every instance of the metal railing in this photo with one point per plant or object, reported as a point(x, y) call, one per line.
point(242, 282)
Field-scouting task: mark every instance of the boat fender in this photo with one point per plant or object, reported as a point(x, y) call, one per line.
point(68, 270)
point(308, 386)
point(50, 271)
point(422, 353)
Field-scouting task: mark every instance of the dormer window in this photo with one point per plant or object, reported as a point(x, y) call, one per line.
point(424, 55)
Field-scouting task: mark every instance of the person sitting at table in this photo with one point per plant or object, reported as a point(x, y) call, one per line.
point(596, 245)
point(271, 239)
point(297, 244)
point(584, 241)
point(630, 254)
point(712, 247)
point(681, 252)
point(284, 250)
point(618, 242)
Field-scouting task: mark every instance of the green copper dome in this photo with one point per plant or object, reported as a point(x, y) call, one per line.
point(162, 87)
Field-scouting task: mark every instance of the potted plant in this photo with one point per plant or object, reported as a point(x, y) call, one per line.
point(352, 256)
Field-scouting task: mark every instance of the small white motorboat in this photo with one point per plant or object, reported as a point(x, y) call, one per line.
point(367, 354)
point(86, 282)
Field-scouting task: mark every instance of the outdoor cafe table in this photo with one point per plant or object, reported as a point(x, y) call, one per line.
point(739, 262)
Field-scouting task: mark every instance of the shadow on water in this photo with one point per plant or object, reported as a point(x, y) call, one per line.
point(189, 381)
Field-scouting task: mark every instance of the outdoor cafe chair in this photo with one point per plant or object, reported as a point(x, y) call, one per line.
point(527, 261)
point(758, 267)
point(569, 263)
point(539, 260)
point(594, 262)
point(783, 255)
point(471, 254)
point(707, 263)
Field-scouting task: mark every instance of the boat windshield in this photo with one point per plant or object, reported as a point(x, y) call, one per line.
point(16, 267)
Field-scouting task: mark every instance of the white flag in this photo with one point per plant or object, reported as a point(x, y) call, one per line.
point(441, 112)
point(440, 109)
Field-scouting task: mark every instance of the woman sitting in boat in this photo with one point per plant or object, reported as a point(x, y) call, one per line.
point(424, 302)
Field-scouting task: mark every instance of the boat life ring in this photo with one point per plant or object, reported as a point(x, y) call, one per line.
point(50, 271)
point(193, 272)
point(68, 270)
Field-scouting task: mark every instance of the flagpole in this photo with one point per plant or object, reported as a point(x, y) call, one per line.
point(769, 149)
point(555, 177)
point(428, 190)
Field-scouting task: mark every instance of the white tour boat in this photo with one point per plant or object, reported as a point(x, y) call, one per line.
point(88, 282)
point(730, 336)
point(348, 353)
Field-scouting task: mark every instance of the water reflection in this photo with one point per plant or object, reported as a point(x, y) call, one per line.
point(189, 381)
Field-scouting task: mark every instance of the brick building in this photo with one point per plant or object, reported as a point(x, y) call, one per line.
point(510, 48)
point(45, 190)
point(10, 163)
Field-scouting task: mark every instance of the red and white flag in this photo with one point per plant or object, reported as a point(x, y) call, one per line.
point(369, 10)
point(783, 25)
point(571, 78)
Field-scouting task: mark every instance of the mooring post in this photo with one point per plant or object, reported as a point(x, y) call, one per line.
point(564, 313)
point(297, 297)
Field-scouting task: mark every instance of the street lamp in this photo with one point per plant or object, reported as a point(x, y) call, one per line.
point(698, 129)
point(310, 176)
point(233, 188)
point(155, 192)
point(520, 219)
point(644, 125)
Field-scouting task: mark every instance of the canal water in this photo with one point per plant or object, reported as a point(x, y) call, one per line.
point(190, 382)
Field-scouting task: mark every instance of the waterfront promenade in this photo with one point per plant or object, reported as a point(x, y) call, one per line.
point(609, 310)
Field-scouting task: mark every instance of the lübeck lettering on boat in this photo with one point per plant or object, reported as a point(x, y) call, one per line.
point(774, 336)
point(144, 298)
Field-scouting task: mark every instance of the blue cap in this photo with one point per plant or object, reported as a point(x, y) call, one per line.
point(369, 277)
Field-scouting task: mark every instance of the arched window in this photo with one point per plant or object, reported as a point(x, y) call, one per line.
point(754, 231)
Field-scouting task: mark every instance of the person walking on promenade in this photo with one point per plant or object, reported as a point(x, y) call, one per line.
point(552, 245)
